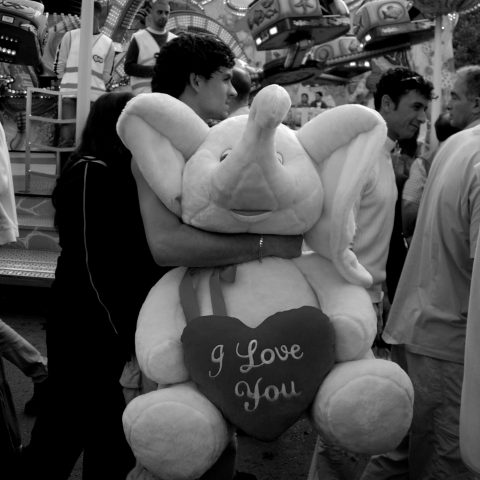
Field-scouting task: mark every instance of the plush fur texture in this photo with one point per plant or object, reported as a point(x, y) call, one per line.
point(256, 175)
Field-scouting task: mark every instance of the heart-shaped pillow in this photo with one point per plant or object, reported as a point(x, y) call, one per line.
point(264, 378)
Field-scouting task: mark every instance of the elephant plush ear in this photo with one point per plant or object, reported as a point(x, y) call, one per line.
point(162, 133)
point(345, 143)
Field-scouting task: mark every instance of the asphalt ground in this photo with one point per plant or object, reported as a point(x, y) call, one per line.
point(288, 458)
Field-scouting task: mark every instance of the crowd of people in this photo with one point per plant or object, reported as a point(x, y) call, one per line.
point(416, 233)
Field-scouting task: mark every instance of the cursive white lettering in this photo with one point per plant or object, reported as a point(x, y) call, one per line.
point(267, 355)
point(217, 357)
point(271, 393)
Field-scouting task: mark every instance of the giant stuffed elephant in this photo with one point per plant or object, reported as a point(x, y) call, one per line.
point(269, 340)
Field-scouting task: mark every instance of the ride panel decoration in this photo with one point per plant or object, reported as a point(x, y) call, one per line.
point(20, 21)
point(388, 23)
point(341, 57)
point(275, 24)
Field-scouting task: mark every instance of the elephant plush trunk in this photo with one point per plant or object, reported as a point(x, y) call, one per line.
point(251, 176)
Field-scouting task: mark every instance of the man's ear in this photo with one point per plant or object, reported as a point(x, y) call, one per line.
point(194, 81)
point(476, 106)
point(387, 104)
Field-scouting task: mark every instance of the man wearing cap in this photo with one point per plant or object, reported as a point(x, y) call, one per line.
point(145, 44)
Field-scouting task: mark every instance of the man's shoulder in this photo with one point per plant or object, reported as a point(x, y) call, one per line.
point(463, 144)
point(106, 38)
point(70, 34)
point(139, 33)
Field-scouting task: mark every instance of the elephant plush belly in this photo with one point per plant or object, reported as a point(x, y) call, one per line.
point(259, 290)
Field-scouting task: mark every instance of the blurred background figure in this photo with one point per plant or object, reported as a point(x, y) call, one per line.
point(318, 102)
point(94, 310)
point(242, 83)
point(145, 44)
point(66, 68)
point(304, 100)
point(414, 185)
point(13, 346)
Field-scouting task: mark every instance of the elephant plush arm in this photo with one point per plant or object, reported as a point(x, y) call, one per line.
point(173, 243)
point(348, 306)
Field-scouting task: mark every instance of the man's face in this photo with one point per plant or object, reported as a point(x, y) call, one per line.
point(460, 106)
point(405, 119)
point(215, 93)
point(159, 15)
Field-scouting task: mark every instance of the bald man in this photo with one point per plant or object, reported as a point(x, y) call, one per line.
point(145, 44)
point(242, 84)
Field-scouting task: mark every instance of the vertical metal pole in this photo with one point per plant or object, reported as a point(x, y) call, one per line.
point(85, 66)
point(437, 80)
point(28, 135)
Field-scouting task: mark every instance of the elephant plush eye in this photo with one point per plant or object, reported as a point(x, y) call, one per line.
point(280, 158)
point(225, 154)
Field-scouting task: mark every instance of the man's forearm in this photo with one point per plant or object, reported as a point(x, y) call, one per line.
point(173, 243)
point(192, 247)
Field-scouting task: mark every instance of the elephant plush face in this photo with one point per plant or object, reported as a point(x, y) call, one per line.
point(245, 178)
point(254, 174)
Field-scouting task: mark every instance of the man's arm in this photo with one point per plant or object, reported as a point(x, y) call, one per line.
point(474, 202)
point(131, 66)
point(412, 194)
point(174, 243)
point(409, 218)
point(108, 65)
point(62, 55)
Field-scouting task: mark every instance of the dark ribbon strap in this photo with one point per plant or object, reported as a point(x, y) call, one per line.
point(188, 297)
point(216, 294)
point(188, 294)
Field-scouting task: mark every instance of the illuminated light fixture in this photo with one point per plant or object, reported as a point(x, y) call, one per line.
point(352, 64)
point(238, 7)
point(258, 41)
point(382, 24)
point(298, 25)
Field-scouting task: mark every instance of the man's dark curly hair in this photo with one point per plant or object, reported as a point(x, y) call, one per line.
point(397, 82)
point(199, 53)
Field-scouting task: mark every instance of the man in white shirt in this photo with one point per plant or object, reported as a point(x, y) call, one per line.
point(402, 98)
point(428, 318)
point(66, 69)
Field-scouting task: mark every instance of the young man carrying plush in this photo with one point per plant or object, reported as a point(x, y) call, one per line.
point(199, 70)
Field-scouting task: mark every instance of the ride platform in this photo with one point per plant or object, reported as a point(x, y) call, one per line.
point(33, 258)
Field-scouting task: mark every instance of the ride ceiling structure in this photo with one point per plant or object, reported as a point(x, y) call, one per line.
point(310, 41)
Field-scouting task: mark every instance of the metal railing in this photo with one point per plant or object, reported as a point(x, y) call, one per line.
point(28, 132)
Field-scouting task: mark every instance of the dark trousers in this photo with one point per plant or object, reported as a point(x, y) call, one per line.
point(85, 403)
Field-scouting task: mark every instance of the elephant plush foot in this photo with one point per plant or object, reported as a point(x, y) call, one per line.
point(176, 433)
point(364, 406)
